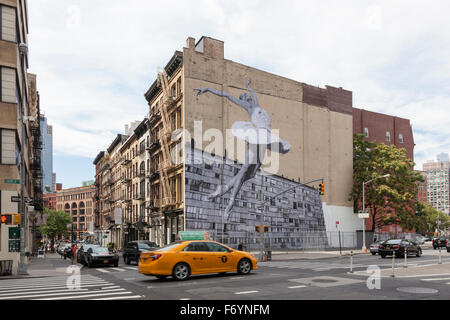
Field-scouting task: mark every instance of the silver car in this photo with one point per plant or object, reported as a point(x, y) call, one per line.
point(374, 247)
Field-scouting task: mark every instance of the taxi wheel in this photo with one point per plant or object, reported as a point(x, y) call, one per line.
point(181, 271)
point(244, 266)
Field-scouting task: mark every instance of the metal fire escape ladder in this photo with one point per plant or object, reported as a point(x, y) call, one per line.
point(164, 136)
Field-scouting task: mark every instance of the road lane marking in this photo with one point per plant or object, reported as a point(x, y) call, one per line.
point(131, 268)
point(62, 292)
point(104, 271)
point(435, 279)
point(246, 292)
point(295, 287)
point(117, 269)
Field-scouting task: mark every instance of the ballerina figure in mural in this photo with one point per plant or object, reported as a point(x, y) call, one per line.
point(257, 136)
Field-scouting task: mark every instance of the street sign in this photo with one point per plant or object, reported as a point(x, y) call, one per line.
point(363, 215)
point(15, 199)
point(193, 235)
point(12, 181)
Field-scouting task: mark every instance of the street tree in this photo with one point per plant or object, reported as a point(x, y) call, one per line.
point(430, 219)
point(56, 226)
point(391, 200)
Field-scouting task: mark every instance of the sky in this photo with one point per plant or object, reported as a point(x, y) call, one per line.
point(95, 59)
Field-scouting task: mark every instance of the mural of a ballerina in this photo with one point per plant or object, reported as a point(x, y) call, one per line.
point(258, 137)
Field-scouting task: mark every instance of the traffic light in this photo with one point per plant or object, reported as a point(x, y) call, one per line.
point(258, 228)
point(322, 189)
point(6, 219)
point(265, 229)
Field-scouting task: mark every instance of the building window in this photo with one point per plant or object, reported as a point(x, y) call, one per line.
point(400, 138)
point(388, 136)
point(8, 85)
point(7, 147)
point(8, 24)
point(366, 132)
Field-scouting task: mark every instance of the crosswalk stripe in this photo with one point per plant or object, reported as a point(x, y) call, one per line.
point(54, 287)
point(88, 296)
point(119, 298)
point(51, 285)
point(104, 271)
point(117, 269)
point(38, 294)
point(131, 268)
point(67, 292)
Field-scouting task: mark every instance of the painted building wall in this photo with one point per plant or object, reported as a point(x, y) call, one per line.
point(295, 219)
point(317, 123)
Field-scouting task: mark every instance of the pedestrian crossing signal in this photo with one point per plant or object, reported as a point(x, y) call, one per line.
point(322, 189)
point(258, 228)
point(265, 229)
point(6, 219)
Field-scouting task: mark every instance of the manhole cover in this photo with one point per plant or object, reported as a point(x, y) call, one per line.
point(323, 280)
point(417, 290)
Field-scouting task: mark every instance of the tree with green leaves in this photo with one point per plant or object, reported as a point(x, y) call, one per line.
point(56, 226)
point(391, 200)
point(430, 219)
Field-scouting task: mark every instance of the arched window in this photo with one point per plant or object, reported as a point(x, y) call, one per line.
point(67, 208)
point(74, 208)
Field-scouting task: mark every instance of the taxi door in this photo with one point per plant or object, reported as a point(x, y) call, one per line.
point(221, 258)
point(197, 255)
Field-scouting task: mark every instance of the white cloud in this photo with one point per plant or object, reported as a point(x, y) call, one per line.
point(95, 59)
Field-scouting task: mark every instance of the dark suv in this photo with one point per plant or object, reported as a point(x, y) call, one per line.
point(440, 241)
point(134, 249)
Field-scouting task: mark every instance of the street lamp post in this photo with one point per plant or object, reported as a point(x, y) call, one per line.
point(22, 267)
point(364, 249)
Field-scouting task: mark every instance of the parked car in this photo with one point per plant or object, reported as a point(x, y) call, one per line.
point(439, 242)
point(184, 258)
point(100, 255)
point(41, 254)
point(420, 239)
point(134, 249)
point(399, 247)
point(374, 247)
point(81, 253)
point(62, 248)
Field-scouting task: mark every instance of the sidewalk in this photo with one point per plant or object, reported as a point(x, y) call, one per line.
point(429, 270)
point(308, 255)
point(40, 268)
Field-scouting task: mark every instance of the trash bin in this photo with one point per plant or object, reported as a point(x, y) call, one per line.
point(6, 267)
point(268, 254)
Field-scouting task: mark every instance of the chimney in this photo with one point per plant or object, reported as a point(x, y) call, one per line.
point(190, 43)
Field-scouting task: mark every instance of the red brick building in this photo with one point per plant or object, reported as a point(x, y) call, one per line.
point(383, 128)
point(49, 199)
point(390, 130)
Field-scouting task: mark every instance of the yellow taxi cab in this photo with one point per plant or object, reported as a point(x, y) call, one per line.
point(184, 258)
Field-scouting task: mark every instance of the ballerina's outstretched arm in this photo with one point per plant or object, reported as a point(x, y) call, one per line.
point(240, 103)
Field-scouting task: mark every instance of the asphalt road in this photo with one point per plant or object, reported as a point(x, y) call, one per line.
point(326, 278)
point(319, 279)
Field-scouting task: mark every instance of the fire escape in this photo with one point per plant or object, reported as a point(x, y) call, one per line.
point(35, 166)
point(164, 138)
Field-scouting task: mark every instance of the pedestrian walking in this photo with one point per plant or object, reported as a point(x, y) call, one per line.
point(74, 253)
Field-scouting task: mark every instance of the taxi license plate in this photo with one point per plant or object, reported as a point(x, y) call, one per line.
point(388, 248)
point(105, 261)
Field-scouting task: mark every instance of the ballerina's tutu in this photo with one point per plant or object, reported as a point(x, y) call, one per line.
point(246, 131)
